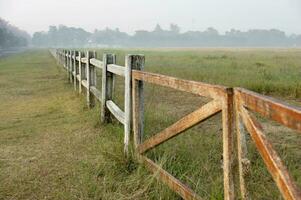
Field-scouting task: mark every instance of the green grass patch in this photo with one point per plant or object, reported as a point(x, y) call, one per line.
point(53, 147)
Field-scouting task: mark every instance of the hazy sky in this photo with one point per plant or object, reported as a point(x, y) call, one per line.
point(130, 15)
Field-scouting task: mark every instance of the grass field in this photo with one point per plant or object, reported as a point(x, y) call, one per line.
point(53, 147)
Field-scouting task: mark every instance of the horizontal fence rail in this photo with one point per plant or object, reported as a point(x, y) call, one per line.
point(235, 105)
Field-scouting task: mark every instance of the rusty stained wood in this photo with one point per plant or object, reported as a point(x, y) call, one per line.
point(289, 116)
point(116, 111)
point(285, 183)
point(96, 63)
point(174, 184)
point(199, 88)
point(228, 144)
point(242, 151)
point(201, 114)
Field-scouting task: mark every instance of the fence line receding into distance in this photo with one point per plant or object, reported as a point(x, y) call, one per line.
point(233, 103)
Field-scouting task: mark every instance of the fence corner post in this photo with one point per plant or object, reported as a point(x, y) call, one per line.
point(107, 87)
point(138, 106)
point(242, 151)
point(228, 144)
point(131, 62)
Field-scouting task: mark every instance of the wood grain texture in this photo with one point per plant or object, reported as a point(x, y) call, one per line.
point(116, 111)
point(199, 88)
point(138, 109)
point(116, 69)
point(197, 116)
point(173, 183)
point(95, 92)
point(96, 63)
point(228, 144)
point(107, 87)
point(131, 62)
point(241, 153)
point(287, 115)
point(285, 183)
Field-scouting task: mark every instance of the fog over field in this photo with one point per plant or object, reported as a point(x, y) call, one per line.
point(134, 23)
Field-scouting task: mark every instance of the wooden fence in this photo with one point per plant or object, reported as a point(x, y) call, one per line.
point(233, 103)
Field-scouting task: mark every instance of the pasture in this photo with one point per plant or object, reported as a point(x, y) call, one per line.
point(53, 147)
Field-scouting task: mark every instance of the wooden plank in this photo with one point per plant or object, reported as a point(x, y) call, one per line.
point(116, 69)
point(96, 63)
point(95, 92)
point(116, 111)
point(285, 183)
point(84, 83)
point(173, 183)
point(84, 60)
point(199, 88)
point(287, 115)
point(228, 144)
point(201, 114)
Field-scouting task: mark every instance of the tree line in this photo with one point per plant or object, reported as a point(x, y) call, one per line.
point(63, 36)
point(11, 36)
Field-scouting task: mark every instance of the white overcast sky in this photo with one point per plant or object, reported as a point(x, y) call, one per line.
point(131, 15)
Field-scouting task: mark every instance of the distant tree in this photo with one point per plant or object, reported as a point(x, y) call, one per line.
point(75, 37)
point(174, 28)
point(11, 36)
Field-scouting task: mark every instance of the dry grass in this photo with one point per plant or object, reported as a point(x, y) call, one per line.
point(53, 147)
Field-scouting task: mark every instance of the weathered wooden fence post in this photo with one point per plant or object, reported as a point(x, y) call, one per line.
point(131, 62)
point(228, 139)
point(68, 64)
point(242, 151)
point(70, 67)
point(75, 69)
point(138, 107)
point(63, 57)
point(89, 75)
point(107, 86)
point(80, 72)
point(93, 74)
